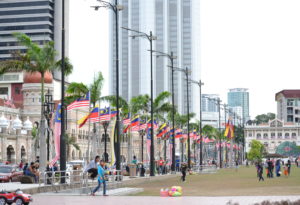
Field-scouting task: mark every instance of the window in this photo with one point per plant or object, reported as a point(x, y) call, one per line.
point(265, 144)
point(294, 135)
point(272, 135)
point(250, 134)
point(287, 135)
point(258, 136)
point(265, 135)
point(17, 90)
point(4, 91)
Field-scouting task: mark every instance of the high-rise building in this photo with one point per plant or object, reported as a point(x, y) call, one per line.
point(176, 24)
point(39, 19)
point(209, 102)
point(238, 100)
point(288, 105)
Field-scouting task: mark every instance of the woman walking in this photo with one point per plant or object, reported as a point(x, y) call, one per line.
point(260, 172)
point(289, 165)
point(101, 179)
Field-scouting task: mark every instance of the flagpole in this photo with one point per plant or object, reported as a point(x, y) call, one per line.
point(89, 129)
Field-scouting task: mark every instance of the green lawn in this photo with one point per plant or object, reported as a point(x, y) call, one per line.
point(228, 182)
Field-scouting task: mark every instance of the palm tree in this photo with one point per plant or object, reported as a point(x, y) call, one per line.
point(76, 90)
point(71, 142)
point(39, 59)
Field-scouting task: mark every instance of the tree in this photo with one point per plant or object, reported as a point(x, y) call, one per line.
point(264, 118)
point(39, 59)
point(71, 142)
point(75, 90)
point(256, 151)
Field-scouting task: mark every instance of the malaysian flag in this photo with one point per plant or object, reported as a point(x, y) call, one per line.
point(94, 115)
point(80, 102)
point(155, 125)
point(57, 133)
point(126, 121)
point(105, 114)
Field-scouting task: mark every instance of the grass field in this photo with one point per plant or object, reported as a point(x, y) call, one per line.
point(228, 182)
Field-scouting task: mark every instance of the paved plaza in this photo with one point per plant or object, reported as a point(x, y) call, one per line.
point(129, 200)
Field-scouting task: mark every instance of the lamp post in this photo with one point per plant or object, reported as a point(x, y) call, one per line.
point(142, 134)
point(62, 135)
point(48, 111)
point(115, 8)
point(105, 125)
point(171, 58)
point(150, 38)
point(200, 84)
point(187, 72)
point(220, 141)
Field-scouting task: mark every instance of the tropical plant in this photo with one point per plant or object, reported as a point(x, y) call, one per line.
point(96, 88)
point(37, 58)
point(256, 151)
point(74, 91)
point(71, 142)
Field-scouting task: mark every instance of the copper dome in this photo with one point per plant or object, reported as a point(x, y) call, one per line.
point(35, 77)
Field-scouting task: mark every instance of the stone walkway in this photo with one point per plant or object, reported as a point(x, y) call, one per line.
point(127, 200)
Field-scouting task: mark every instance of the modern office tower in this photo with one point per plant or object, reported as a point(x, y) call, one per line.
point(39, 19)
point(288, 105)
point(176, 24)
point(209, 103)
point(238, 98)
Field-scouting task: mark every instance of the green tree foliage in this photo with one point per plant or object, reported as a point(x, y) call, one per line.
point(264, 118)
point(256, 151)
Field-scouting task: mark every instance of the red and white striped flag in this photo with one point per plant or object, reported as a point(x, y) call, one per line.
point(57, 133)
point(80, 102)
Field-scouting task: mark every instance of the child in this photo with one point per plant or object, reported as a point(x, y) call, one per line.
point(286, 170)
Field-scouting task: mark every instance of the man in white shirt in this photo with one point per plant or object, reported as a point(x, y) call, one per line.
point(91, 168)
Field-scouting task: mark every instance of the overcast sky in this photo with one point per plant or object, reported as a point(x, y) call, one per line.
point(251, 44)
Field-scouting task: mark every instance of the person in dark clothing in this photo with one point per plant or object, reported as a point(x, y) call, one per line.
point(296, 162)
point(24, 168)
point(278, 166)
point(270, 168)
point(183, 171)
point(260, 170)
point(289, 165)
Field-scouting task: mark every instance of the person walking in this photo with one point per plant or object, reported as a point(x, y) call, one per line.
point(91, 168)
point(260, 172)
point(289, 165)
point(101, 179)
point(183, 171)
point(278, 166)
point(270, 168)
point(285, 170)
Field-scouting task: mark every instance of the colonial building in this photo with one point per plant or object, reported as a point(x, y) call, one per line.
point(288, 105)
point(272, 134)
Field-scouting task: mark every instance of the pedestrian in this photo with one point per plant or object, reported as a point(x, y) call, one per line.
point(91, 168)
point(289, 165)
point(260, 172)
point(25, 167)
point(21, 164)
point(296, 162)
point(161, 165)
point(177, 165)
point(183, 171)
point(101, 179)
point(285, 170)
point(278, 173)
point(270, 168)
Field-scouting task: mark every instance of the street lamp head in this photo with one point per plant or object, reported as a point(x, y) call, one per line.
point(119, 7)
point(95, 7)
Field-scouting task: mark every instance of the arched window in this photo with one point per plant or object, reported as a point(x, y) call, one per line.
point(265, 135)
point(258, 136)
point(287, 135)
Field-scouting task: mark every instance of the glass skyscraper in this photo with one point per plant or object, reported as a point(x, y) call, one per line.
point(176, 24)
point(238, 99)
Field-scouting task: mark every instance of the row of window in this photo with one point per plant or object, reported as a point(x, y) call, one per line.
point(274, 134)
point(29, 27)
point(32, 19)
point(25, 4)
point(32, 11)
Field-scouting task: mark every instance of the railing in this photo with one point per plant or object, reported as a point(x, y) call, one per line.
point(205, 169)
point(77, 179)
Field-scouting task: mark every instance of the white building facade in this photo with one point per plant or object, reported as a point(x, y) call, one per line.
point(272, 134)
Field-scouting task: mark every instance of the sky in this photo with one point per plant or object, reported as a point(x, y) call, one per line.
point(252, 44)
